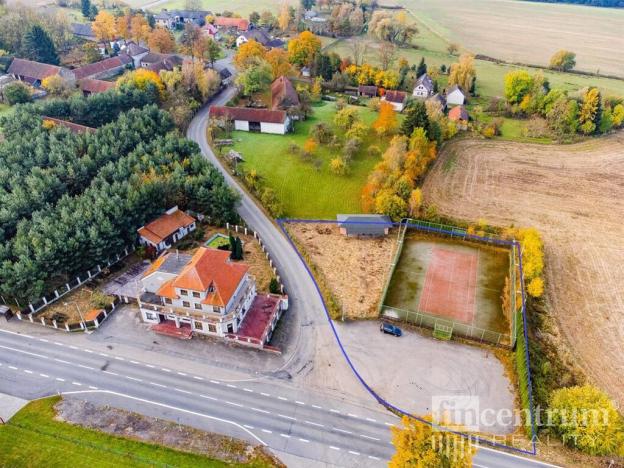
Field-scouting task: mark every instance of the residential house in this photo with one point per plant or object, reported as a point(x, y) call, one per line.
point(459, 115)
point(440, 99)
point(238, 24)
point(206, 293)
point(156, 62)
point(83, 31)
point(73, 127)
point(261, 36)
point(254, 120)
point(172, 19)
point(367, 91)
point(104, 68)
point(136, 51)
point(283, 94)
point(167, 229)
point(90, 86)
point(35, 72)
point(370, 225)
point(424, 87)
point(455, 96)
point(396, 98)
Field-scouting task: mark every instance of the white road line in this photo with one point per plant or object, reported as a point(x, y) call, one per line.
point(248, 426)
point(165, 369)
point(28, 371)
point(209, 397)
point(282, 398)
point(182, 410)
point(23, 352)
point(85, 367)
point(285, 436)
point(58, 344)
point(334, 448)
point(150, 366)
point(133, 362)
point(231, 386)
point(181, 391)
point(334, 411)
point(342, 430)
point(316, 406)
point(264, 394)
point(119, 358)
point(374, 458)
point(133, 378)
point(304, 440)
point(299, 402)
point(371, 419)
point(110, 372)
point(13, 367)
point(92, 387)
point(45, 376)
point(388, 424)
point(248, 390)
point(488, 449)
point(60, 380)
point(198, 378)
point(267, 431)
point(88, 351)
point(73, 347)
point(62, 361)
point(369, 437)
point(352, 415)
point(353, 452)
point(102, 354)
point(215, 382)
point(78, 384)
point(157, 384)
point(260, 410)
point(234, 404)
point(287, 417)
point(44, 340)
point(181, 373)
point(313, 424)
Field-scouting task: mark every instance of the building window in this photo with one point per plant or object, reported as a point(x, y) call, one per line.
point(150, 316)
point(196, 294)
point(212, 328)
point(198, 306)
point(184, 292)
point(199, 326)
point(168, 301)
point(186, 304)
point(215, 309)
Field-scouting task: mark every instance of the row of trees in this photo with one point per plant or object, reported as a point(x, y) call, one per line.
point(587, 112)
point(83, 230)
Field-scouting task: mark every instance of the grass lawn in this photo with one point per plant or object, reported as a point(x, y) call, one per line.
point(307, 192)
point(34, 438)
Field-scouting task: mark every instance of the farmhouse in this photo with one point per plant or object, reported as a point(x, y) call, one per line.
point(90, 86)
point(157, 62)
point(169, 228)
point(73, 127)
point(459, 114)
point(171, 19)
point(283, 94)
point(455, 96)
point(239, 24)
point(34, 72)
point(367, 91)
point(396, 98)
point(254, 120)
point(104, 68)
point(135, 51)
point(364, 225)
point(424, 87)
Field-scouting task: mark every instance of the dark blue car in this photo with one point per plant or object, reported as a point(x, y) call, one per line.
point(390, 329)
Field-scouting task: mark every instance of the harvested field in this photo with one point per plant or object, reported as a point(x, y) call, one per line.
point(354, 268)
point(574, 195)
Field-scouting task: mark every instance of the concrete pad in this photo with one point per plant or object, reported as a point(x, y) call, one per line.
point(9, 405)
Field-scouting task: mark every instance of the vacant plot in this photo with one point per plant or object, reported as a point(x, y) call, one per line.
point(575, 196)
point(529, 32)
point(353, 268)
point(305, 188)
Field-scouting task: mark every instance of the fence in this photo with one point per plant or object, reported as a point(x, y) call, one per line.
point(424, 320)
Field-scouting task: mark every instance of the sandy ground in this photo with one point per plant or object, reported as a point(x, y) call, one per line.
point(574, 195)
point(354, 268)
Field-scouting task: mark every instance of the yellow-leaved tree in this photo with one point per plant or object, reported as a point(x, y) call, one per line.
point(532, 248)
point(463, 73)
point(104, 26)
point(387, 122)
point(143, 79)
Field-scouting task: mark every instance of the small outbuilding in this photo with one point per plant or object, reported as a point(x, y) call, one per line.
point(367, 91)
point(169, 228)
point(459, 115)
point(455, 96)
point(371, 225)
point(397, 99)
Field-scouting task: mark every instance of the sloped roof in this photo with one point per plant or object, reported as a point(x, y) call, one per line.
point(368, 90)
point(283, 93)
point(82, 29)
point(395, 96)
point(211, 270)
point(248, 114)
point(74, 127)
point(438, 98)
point(164, 226)
point(102, 66)
point(225, 22)
point(259, 35)
point(95, 86)
point(157, 62)
point(133, 49)
point(426, 81)
point(453, 89)
point(30, 69)
point(458, 113)
point(225, 73)
point(364, 223)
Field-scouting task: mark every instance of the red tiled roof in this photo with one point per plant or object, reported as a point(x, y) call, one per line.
point(368, 90)
point(211, 268)
point(30, 69)
point(283, 93)
point(102, 66)
point(74, 127)
point(164, 226)
point(458, 113)
point(248, 114)
point(224, 22)
point(95, 86)
point(395, 96)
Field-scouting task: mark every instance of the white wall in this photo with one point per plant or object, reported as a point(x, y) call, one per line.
point(456, 98)
point(277, 128)
point(241, 125)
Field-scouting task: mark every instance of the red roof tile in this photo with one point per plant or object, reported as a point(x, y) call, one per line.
point(283, 93)
point(225, 22)
point(458, 113)
point(95, 86)
point(74, 127)
point(248, 114)
point(102, 66)
point(395, 96)
point(164, 226)
point(30, 69)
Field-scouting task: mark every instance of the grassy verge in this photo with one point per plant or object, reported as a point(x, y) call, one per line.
point(34, 438)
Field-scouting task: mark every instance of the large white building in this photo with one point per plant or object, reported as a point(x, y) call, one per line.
point(254, 120)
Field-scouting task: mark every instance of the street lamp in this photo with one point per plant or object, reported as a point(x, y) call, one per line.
point(82, 320)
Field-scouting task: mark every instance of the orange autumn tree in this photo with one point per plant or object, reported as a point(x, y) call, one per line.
point(161, 40)
point(247, 53)
point(104, 26)
point(387, 122)
point(278, 59)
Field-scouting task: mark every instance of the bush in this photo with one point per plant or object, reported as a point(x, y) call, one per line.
point(586, 418)
point(17, 93)
point(274, 286)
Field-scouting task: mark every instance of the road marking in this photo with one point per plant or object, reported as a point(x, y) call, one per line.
point(334, 448)
point(352, 415)
point(28, 371)
point(73, 347)
point(215, 382)
point(342, 430)
point(313, 423)
point(62, 361)
point(374, 458)
point(181, 391)
point(85, 367)
point(157, 385)
point(58, 344)
point(388, 424)
point(248, 390)
point(45, 376)
point(264, 394)
point(110, 372)
point(119, 358)
point(134, 362)
point(44, 340)
point(102, 354)
point(181, 373)
point(371, 419)
point(60, 380)
point(198, 378)
point(481, 447)
point(231, 386)
point(92, 387)
point(304, 440)
point(369, 437)
point(287, 417)
point(316, 406)
point(175, 408)
point(78, 384)
point(133, 378)
point(23, 352)
point(353, 452)
point(88, 351)
point(334, 411)
point(267, 431)
point(233, 404)
point(260, 410)
point(282, 398)
point(248, 426)
point(150, 366)
point(299, 402)
point(285, 435)
point(209, 397)
point(165, 369)
point(13, 367)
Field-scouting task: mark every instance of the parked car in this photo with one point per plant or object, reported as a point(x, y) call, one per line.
point(390, 329)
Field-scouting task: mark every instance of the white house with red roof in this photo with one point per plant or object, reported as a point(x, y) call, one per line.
point(167, 229)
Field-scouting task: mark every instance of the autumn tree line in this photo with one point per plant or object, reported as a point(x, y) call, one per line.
point(70, 201)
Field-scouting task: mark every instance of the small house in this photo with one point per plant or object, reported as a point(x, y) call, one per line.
point(424, 87)
point(34, 73)
point(459, 115)
point(104, 68)
point(90, 86)
point(157, 62)
point(371, 225)
point(396, 98)
point(249, 119)
point(455, 96)
point(226, 76)
point(439, 99)
point(167, 229)
point(172, 19)
point(367, 91)
point(238, 24)
point(83, 31)
point(305, 72)
point(136, 51)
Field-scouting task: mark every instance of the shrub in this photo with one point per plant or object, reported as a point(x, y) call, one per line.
point(274, 286)
point(322, 133)
point(338, 166)
point(17, 93)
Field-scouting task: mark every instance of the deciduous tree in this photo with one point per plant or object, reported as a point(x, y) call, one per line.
point(591, 111)
point(463, 72)
point(104, 26)
point(140, 28)
point(256, 77)
point(303, 48)
point(278, 59)
point(248, 53)
point(387, 122)
point(563, 60)
point(161, 40)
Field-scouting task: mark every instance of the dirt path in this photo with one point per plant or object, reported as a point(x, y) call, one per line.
point(574, 195)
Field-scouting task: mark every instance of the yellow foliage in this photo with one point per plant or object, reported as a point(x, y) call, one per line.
point(247, 52)
point(104, 26)
point(309, 146)
point(535, 288)
point(141, 78)
point(338, 166)
point(387, 122)
point(48, 124)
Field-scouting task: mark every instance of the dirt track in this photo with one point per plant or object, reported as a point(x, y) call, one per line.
point(575, 196)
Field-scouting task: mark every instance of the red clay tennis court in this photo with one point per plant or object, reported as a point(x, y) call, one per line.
point(450, 284)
